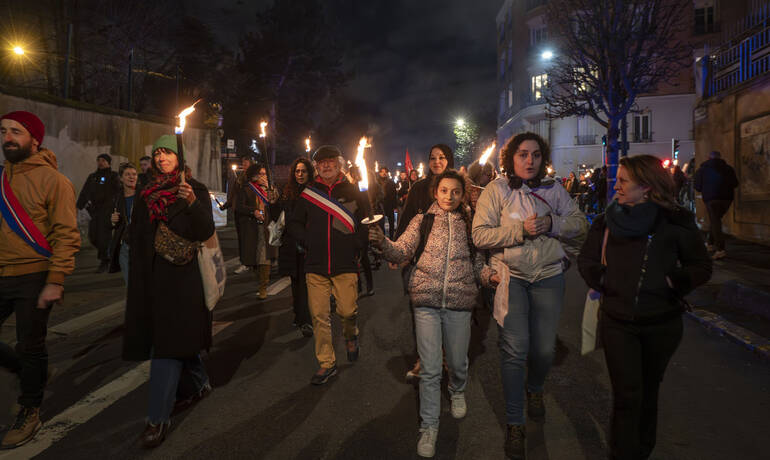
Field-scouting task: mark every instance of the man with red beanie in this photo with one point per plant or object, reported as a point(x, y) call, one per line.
point(38, 241)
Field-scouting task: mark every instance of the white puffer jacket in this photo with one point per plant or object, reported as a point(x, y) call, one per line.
point(445, 276)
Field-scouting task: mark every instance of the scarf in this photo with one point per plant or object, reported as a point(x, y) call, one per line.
point(161, 193)
point(631, 221)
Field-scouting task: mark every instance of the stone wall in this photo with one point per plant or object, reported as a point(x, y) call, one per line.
point(77, 135)
point(738, 125)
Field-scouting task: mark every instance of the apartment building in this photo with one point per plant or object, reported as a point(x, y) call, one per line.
point(523, 51)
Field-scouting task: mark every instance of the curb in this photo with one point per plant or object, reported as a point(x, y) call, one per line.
point(716, 324)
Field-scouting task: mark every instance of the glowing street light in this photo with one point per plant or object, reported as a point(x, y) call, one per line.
point(18, 50)
point(460, 122)
point(547, 55)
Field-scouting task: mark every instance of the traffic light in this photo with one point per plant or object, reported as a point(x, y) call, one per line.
point(675, 149)
point(604, 140)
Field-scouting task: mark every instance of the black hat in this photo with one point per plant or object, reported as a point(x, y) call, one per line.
point(325, 152)
point(106, 157)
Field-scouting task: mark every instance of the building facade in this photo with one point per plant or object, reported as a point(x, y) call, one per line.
point(576, 142)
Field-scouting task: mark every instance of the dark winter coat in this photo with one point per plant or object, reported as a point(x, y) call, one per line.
point(253, 236)
point(330, 251)
point(716, 180)
point(165, 310)
point(390, 201)
point(98, 191)
point(119, 230)
point(290, 259)
point(633, 284)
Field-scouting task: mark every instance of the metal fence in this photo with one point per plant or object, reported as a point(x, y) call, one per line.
point(745, 56)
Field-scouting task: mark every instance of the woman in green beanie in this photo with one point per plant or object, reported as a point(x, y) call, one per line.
point(166, 316)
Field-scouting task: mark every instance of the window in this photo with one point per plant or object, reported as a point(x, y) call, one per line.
point(705, 18)
point(582, 81)
point(642, 128)
point(539, 84)
point(537, 36)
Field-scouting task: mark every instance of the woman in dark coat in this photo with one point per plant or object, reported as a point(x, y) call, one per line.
point(291, 259)
point(655, 255)
point(122, 209)
point(166, 316)
point(253, 215)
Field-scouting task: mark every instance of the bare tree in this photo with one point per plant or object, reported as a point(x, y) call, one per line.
point(610, 53)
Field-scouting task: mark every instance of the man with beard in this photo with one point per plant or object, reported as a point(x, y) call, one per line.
point(38, 241)
point(97, 197)
point(144, 176)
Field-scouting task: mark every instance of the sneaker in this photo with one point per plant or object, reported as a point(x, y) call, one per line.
point(426, 446)
point(182, 405)
point(720, 254)
point(307, 330)
point(352, 348)
point(25, 428)
point(154, 435)
point(323, 375)
point(241, 269)
point(516, 442)
point(459, 406)
point(535, 406)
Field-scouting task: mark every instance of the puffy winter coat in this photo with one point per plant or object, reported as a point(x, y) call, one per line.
point(445, 276)
point(499, 226)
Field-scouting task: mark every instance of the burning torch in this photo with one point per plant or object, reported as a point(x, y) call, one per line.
point(263, 136)
point(363, 184)
point(178, 130)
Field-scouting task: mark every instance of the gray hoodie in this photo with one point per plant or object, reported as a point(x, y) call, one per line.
point(499, 226)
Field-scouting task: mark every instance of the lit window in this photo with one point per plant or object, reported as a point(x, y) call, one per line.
point(539, 84)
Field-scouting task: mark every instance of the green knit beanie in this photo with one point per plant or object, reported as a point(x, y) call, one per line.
point(166, 141)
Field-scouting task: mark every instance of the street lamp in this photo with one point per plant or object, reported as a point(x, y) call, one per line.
point(18, 50)
point(460, 122)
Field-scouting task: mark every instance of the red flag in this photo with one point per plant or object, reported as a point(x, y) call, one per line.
point(408, 162)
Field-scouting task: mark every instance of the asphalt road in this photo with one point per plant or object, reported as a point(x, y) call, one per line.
point(715, 399)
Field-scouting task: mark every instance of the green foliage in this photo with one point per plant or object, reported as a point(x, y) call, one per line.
point(466, 139)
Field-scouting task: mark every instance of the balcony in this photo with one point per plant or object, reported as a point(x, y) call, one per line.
point(642, 137)
point(585, 139)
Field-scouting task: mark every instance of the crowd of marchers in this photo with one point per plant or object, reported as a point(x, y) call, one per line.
point(463, 239)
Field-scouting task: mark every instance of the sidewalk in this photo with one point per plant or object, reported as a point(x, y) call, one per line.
point(736, 301)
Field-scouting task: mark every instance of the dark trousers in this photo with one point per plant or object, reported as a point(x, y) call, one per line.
point(637, 356)
point(100, 233)
point(18, 294)
point(717, 209)
point(299, 294)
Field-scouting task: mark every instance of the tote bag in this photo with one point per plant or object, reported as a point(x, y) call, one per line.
point(590, 326)
point(212, 267)
point(275, 230)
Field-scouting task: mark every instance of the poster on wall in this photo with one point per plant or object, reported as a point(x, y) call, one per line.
point(754, 160)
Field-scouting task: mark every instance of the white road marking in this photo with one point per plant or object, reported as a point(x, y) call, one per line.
point(83, 321)
point(279, 286)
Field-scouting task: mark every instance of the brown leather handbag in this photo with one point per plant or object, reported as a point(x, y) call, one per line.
point(174, 248)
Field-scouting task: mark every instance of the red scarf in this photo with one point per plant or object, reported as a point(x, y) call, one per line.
point(161, 193)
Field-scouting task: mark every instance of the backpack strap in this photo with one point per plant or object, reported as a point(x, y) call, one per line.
point(425, 227)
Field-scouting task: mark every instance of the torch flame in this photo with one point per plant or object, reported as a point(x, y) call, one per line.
point(307, 144)
point(182, 116)
point(363, 184)
point(420, 170)
point(487, 153)
point(262, 126)
point(376, 166)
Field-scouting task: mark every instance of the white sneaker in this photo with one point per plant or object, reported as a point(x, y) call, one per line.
point(241, 269)
point(719, 255)
point(426, 446)
point(459, 407)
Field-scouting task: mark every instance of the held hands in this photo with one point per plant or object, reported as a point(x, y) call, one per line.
point(49, 296)
point(186, 193)
point(534, 226)
point(376, 235)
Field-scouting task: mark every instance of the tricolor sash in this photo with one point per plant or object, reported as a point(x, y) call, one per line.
point(18, 219)
point(260, 193)
point(331, 206)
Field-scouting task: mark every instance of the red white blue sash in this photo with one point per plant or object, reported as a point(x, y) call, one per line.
point(18, 219)
point(331, 206)
point(260, 193)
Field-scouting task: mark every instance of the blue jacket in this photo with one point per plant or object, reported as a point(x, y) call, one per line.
point(716, 180)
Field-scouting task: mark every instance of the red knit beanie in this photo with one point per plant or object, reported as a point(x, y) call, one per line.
point(30, 121)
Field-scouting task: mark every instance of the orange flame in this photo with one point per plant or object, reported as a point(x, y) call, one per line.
point(182, 118)
point(307, 144)
point(262, 126)
point(487, 153)
point(363, 184)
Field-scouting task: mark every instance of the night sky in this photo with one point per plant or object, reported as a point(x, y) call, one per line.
point(419, 65)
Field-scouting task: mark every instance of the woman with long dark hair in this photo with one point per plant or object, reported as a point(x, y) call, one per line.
point(166, 319)
point(291, 258)
point(654, 255)
point(520, 218)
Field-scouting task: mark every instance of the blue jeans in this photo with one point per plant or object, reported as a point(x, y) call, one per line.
point(527, 339)
point(172, 379)
point(434, 326)
point(123, 261)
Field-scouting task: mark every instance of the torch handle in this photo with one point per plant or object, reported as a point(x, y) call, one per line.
point(180, 157)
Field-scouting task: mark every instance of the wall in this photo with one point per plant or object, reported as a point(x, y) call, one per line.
point(738, 125)
point(78, 135)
